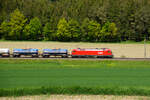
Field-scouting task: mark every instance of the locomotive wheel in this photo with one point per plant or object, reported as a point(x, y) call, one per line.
point(7, 56)
point(34, 56)
point(110, 57)
point(75, 56)
point(99, 57)
point(18, 56)
point(64, 56)
point(15, 56)
point(45, 56)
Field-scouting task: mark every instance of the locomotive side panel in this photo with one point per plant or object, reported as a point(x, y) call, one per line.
point(92, 52)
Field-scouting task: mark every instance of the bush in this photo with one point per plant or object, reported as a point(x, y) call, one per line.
point(74, 90)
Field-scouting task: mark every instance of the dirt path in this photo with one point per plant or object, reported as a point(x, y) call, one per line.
point(76, 97)
point(119, 50)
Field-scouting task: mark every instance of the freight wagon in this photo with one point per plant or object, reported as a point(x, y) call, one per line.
point(55, 52)
point(25, 52)
point(99, 53)
point(76, 53)
point(4, 52)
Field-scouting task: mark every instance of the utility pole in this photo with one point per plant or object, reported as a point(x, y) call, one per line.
point(145, 48)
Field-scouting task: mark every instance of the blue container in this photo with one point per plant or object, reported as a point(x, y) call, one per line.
point(55, 51)
point(25, 51)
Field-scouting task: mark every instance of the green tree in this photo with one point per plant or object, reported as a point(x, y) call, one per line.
point(130, 16)
point(16, 24)
point(4, 30)
point(109, 33)
point(91, 30)
point(74, 30)
point(33, 30)
point(6, 7)
point(84, 29)
point(94, 29)
point(49, 31)
point(142, 23)
point(62, 30)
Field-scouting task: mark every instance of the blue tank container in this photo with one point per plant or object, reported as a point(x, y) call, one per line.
point(31, 52)
point(55, 52)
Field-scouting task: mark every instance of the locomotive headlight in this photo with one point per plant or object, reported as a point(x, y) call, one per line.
point(109, 51)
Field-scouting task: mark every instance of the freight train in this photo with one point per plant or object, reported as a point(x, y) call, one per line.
point(47, 53)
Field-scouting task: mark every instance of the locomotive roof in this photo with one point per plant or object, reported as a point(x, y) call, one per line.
point(92, 49)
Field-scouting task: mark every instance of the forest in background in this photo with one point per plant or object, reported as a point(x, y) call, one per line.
point(75, 20)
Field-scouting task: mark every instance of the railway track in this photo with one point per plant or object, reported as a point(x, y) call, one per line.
point(136, 59)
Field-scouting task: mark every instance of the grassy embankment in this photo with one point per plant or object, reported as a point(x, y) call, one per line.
point(34, 77)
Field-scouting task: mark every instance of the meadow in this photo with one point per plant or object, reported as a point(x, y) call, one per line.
point(20, 77)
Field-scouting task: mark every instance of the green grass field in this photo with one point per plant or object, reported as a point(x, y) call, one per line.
point(33, 77)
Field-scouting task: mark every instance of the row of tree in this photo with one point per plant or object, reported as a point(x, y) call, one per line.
point(75, 20)
point(19, 28)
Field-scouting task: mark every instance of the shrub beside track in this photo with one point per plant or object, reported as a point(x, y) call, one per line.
point(77, 90)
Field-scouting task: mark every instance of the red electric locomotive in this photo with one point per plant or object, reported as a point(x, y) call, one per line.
point(99, 53)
